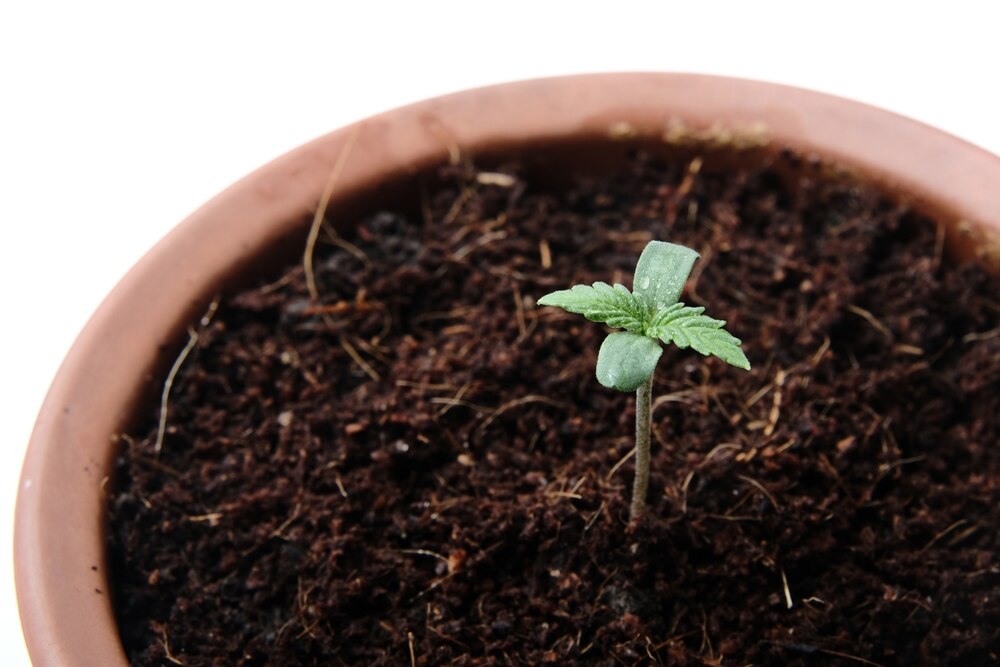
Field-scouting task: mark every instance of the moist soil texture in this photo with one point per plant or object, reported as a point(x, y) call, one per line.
point(420, 468)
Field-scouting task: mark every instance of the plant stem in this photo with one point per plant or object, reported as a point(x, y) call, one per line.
point(643, 399)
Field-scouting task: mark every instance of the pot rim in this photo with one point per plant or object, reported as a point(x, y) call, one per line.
point(61, 567)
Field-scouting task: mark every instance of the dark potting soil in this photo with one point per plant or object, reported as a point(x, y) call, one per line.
point(421, 468)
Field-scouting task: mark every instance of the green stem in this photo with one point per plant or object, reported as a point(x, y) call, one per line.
point(643, 399)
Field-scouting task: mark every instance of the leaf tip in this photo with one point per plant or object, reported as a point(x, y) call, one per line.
point(546, 300)
point(739, 359)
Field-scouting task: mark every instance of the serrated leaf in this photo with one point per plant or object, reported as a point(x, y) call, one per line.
point(626, 360)
point(685, 326)
point(600, 302)
point(661, 272)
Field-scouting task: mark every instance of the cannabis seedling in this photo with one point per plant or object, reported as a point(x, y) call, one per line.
point(650, 313)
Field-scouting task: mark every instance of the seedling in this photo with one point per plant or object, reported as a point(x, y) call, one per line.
point(651, 313)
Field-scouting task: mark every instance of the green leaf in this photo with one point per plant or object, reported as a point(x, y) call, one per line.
point(660, 275)
point(685, 326)
point(615, 306)
point(626, 360)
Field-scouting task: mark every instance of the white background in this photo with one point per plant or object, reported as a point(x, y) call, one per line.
point(118, 119)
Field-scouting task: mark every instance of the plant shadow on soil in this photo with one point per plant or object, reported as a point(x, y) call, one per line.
point(421, 466)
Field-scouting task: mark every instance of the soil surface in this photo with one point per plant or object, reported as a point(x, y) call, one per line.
point(421, 468)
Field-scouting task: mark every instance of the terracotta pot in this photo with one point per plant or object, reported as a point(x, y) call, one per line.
point(114, 367)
